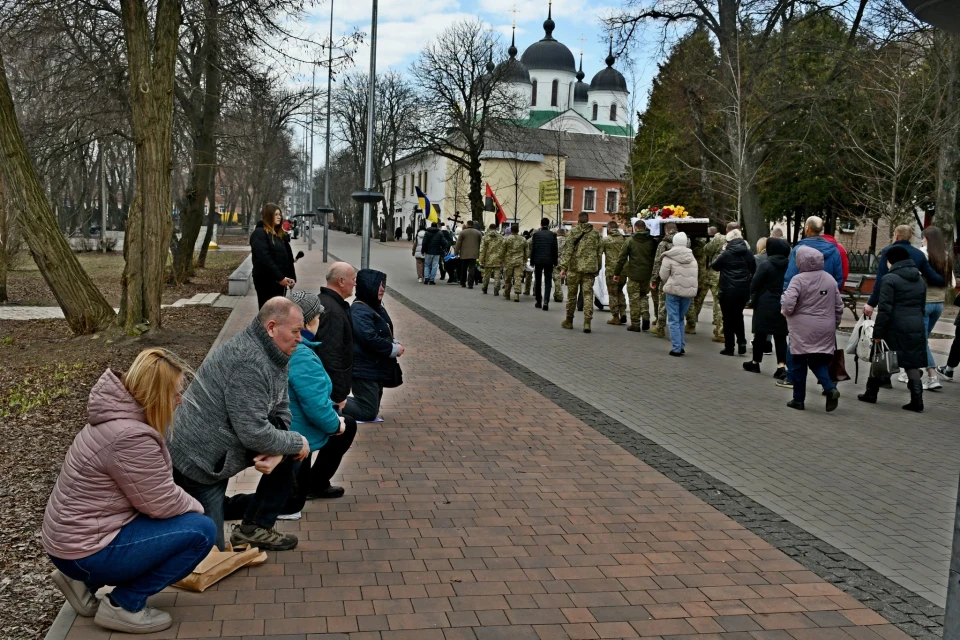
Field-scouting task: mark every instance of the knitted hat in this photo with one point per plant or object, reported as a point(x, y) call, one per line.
point(680, 239)
point(309, 303)
point(897, 253)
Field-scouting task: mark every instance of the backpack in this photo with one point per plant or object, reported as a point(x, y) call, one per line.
point(860, 343)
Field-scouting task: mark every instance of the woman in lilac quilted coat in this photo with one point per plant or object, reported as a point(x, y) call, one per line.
point(115, 516)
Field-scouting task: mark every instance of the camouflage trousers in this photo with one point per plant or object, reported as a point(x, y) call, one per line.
point(557, 285)
point(512, 280)
point(717, 312)
point(496, 273)
point(527, 281)
point(618, 303)
point(637, 291)
point(659, 306)
point(580, 284)
point(703, 285)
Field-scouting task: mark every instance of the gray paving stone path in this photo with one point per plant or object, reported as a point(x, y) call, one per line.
point(872, 481)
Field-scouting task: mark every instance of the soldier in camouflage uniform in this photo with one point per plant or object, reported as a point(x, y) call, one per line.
point(557, 280)
point(491, 259)
point(514, 259)
point(580, 265)
point(710, 253)
point(636, 263)
point(697, 245)
point(611, 246)
point(659, 299)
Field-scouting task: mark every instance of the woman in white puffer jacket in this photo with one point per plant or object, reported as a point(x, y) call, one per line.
point(678, 273)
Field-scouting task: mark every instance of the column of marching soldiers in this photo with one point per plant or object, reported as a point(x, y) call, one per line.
point(630, 263)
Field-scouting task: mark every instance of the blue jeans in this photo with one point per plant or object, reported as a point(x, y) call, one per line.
point(677, 308)
point(260, 508)
point(931, 313)
point(146, 557)
point(430, 264)
point(819, 363)
point(364, 404)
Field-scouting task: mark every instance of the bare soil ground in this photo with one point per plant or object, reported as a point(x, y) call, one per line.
point(25, 285)
point(45, 377)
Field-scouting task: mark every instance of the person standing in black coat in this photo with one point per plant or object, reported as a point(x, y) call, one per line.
point(544, 256)
point(736, 266)
point(900, 323)
point(273, 270)
point(335, 333)
point(766, 289)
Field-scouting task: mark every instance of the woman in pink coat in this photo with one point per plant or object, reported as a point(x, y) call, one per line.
point(813, 307)
point(115, 516)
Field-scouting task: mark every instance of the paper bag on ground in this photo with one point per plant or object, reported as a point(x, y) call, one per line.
point(218, 565)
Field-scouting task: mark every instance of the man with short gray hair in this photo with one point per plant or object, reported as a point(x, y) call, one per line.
point(335, 333)
point(832, 264)
point(236, 414)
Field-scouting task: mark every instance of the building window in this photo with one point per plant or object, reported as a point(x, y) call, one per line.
point(412, 185)
point(403, 191)
point(613, 113)
point(533, 96)
point(554, 91)
point(222, 208)
point(589, 199)
point(568, 199)
point(223, 190)
point(613, 201)
point(424, 187)
point(595, 110)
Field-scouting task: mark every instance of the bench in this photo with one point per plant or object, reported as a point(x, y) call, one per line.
point(855, 288)
point(240, 281)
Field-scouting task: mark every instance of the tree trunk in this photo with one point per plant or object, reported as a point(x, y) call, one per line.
point(212, 219)
point(4, 242)
point(476, 192)
point(754, 225)
point(204, 151)
point(151, 58)
point(84, 307)
point(948, 163)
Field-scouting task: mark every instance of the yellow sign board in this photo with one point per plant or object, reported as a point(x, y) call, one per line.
point(549, 192)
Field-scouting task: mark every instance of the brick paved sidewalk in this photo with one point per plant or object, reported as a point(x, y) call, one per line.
point(480, 509)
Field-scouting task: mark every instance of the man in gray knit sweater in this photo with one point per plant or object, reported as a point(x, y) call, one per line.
point(235, 415)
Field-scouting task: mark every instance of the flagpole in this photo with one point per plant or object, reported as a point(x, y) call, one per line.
point(367, 195)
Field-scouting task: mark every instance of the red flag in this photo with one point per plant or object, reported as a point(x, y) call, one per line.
point(501, 217)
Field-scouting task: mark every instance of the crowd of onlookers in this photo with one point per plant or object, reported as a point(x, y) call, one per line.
point(142, 494)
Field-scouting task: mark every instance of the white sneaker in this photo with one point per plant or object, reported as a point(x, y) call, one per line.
point(931, 383)
point(290, 516)
point(419, 279)
point(77, 594)
point(903, 377)
point(147, 620)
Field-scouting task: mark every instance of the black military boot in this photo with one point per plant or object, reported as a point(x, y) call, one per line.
point(916, 396)
point(870, 395)
point(646, 325)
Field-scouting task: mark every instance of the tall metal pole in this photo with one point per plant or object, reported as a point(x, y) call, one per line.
point(368, 171)
point(326, 178)
point(313, 113)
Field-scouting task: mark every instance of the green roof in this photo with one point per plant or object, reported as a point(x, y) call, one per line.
point(615, 130)
point(537, 119)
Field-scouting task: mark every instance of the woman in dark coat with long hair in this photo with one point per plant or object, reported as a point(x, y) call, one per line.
point(736, 266)
point(766, 289)
point(901, 325)
point(273, 270)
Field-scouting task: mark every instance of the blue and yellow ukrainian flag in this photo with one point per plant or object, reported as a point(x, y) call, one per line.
point(426, 207)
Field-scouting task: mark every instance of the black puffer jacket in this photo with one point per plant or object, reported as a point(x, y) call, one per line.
point(544, 250)
point(434, 242)
point(374, 352)
point(903, 296)
point(767, 287)
point(736, 266)
point(335, 335)
point(272, 256)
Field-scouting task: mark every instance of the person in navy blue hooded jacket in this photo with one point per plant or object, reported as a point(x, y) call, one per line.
point(375, 350)
point(832, 262)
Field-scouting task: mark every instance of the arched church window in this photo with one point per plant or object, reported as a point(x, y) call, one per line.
point(533, 99)
point(613, 113)
point(595, 111)
point(553, 93)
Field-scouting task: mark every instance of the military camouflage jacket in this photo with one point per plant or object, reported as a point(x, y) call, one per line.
point(611, 246)
point(581, 253)
point(665, 245)
point(714, 247)
point(515, 250)
point(491, 249)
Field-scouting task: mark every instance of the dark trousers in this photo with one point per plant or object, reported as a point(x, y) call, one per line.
point(953, 360)
point(819, 363)
point(267, 289)
point(443, 267)
point(316, 478)
point(759, 345)
point(539, 271)
point(260, 508)
point(732, 306)
point(364, 404)
point(467, 268)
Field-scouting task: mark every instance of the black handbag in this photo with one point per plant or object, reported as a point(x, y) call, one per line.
point(396, 376)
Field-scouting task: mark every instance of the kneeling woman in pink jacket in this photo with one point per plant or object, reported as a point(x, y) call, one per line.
point(115, 516)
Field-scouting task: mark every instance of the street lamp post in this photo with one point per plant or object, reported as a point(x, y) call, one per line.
point(326, 208)
point(367, 195)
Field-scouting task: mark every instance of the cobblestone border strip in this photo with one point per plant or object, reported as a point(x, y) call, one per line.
point(913, 614)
